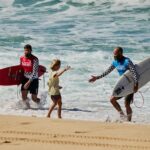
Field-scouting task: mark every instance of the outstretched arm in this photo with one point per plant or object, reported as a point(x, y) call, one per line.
point(62, 71)
point(109, 70)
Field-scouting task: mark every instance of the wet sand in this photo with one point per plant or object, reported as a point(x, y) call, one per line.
point(25, 133)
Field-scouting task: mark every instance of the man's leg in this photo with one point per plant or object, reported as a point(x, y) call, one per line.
point(34, 90)
point(25, 98)
point(24, 95)
point(128, 101)
point(116, 105)
point(35, 98)
point(24, 92)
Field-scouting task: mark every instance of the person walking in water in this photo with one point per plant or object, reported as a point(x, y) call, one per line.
point(30, 83)
point(122, 64)
point(54, 88)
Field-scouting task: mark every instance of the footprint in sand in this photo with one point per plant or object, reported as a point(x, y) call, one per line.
point(25, 123)
point(78, 132)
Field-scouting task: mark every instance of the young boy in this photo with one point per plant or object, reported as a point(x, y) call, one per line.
point(54, 88)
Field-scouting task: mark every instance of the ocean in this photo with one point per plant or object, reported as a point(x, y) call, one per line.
point(82, 34)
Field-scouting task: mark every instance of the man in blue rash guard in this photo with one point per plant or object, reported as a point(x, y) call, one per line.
point(122, 64)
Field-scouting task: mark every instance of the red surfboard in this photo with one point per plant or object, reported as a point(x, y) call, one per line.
point(13, 75)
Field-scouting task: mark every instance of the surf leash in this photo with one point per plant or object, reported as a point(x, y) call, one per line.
point(43, 81)
point(18, 92)
point(141, 94)
point(142, 97)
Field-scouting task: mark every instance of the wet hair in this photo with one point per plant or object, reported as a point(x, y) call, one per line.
point(28, 46)
point(55, 62)
point(120, 49)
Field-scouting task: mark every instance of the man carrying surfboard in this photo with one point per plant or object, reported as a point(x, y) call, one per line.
point(30, 83)
point(122, 64)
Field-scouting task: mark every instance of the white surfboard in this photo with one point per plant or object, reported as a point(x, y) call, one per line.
point(126, 83)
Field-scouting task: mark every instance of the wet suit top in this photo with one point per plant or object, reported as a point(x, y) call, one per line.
point(122, 66)
point(30, 66)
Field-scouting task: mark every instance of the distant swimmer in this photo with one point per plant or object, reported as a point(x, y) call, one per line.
point(54, 87)
point(30, 83)
point(122, 64)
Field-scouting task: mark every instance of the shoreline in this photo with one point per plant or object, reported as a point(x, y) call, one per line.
point(107, 121)
point(19, 132)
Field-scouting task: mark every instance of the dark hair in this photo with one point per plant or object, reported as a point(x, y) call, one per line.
point(120, 49)
point(28, 46)
point(56, 62)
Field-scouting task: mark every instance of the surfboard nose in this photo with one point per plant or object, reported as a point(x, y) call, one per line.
point(42, 69)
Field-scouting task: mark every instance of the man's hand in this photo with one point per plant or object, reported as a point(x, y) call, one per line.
point(93, 78)
point(26, 86)
point(135, 88)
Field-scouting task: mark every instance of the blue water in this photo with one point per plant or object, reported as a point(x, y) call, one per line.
point(83, 34)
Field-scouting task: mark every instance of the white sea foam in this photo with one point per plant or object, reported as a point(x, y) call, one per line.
point(5, 3)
